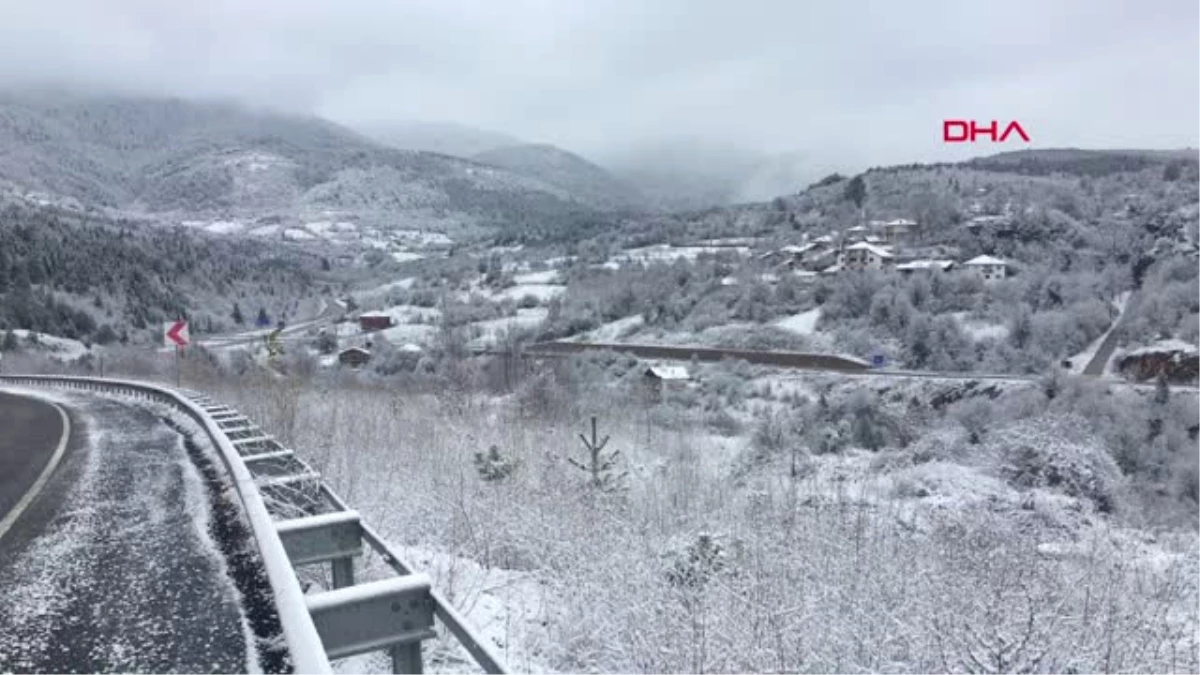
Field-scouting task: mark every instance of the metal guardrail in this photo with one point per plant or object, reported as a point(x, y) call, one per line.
point(394, 614)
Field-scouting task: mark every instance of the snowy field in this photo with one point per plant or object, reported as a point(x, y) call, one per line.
point(668, 253)
point(564, 580)
point(492, 330)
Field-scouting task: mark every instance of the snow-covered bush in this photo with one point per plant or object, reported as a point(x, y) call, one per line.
point(1058, 452)
point(492, 466)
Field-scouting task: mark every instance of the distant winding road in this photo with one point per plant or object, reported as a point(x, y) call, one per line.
point(1099, 362)
point(108, 567)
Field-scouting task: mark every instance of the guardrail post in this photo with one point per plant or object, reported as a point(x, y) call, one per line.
point(343, 572)
point(333, 537)
point(407, 659)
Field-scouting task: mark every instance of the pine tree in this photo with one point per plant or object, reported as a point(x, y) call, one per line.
point(237, 315)
point(601, 466)
point(1158, 412)
point(856, 191)
point(10, 341)
point(1162, 390)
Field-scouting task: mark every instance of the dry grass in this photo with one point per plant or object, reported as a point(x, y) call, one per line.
point(823, 575)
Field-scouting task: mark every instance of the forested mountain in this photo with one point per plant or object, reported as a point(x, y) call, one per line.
point(575, 175)
point(100, 280)
point(445, 138)
point(171, 157)
point(1077, 234)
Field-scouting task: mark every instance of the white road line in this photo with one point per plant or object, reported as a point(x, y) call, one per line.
point(37, 486)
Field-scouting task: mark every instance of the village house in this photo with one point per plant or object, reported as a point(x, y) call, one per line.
point(1177, 360)
point(808, 255)
point(371, 321)
point(864, 256)
point(354, 357)
point(988, 267)
point(926, 266)
point(660, 379)
point(896, 232)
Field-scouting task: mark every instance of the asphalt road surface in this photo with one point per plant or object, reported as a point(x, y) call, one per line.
point(1099, 362)
point(826, 362)
point(30, 431)
point(111, 568)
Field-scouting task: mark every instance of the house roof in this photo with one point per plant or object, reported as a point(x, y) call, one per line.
point(864, 246)
point(901, 221)
point(668, 372)
point(374, 315)
point(803, 248)
point(1166, 347)
point(985, 260)
point(360, 350)
point(925, 265)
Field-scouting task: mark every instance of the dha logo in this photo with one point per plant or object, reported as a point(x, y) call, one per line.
point(966, 131)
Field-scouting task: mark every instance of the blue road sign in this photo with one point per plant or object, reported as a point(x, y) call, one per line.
point(877, 361)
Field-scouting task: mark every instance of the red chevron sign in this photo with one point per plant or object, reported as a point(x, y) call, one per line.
point(176, 333)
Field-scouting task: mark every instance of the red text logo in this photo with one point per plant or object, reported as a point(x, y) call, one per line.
point(966, 131)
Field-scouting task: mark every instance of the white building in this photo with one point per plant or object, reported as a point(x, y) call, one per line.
point(925, 266)
point(897, 231)
point(864, 256)
point(988, 267)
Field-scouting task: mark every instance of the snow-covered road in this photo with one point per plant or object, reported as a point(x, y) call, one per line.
point(112, 567)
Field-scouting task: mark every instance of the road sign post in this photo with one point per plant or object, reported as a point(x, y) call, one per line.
point(176, 333)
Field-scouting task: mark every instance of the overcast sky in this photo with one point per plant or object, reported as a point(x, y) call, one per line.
point(865, 82)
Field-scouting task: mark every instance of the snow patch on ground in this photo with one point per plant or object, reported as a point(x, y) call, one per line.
point(978, 330)
point(63, 349)
point(494, 328)
point(804, 323)
point(542, 292)
point(668, 253)
point(225, 227)
point(265, 231)
point(543, 277)
point(320, 227)
point(421, 238)
point(614, 330)
point(297, 234)
point(415, 333)
point(411, 314)
point(406, 256)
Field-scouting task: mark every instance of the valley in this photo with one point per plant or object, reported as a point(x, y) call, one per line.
point(846, 421)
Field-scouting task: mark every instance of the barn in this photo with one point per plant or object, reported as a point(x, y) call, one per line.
point(371, 321)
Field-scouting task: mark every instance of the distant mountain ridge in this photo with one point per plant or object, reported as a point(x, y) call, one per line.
point(577, 176)
point(170, 156)
point(447, 138)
